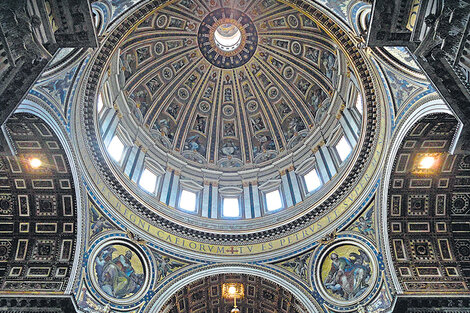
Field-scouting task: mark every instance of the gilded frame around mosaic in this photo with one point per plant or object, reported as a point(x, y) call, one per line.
point(119, 271)
point(345, 271)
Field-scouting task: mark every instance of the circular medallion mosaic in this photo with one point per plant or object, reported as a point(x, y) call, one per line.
point(227, 38)
point(346, 273)
point(119, 271)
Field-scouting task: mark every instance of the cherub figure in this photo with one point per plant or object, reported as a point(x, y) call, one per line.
point(364, 225)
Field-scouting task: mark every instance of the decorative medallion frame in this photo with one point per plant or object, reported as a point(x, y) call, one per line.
point(375, 281)
point(145, 257)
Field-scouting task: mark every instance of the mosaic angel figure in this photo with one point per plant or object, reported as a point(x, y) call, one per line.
point(364, 224)
point(99, 223)
point(166, 266)
point(299, 265)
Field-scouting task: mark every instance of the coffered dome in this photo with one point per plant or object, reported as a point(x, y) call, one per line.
point(220, 116)
point(229, 88)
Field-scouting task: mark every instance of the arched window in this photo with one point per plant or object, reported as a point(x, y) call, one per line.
point(312, 180)
point(359, 104)
point(273, 200)
point(188, 200)
point(99, 104)
point(343, 148)
point(148, 181)
point(231, 207)
point(116, 149)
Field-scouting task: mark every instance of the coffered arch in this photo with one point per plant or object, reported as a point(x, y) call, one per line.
point(298, 299)
point(39, 209)
point(427, 211)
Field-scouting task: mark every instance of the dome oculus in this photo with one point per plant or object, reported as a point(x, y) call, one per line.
point(227, 38)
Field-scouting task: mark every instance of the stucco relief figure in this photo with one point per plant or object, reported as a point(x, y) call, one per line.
point(154, 84)
point(228, 95)
point(348, 276)
point(193, 144)
point(192, 80)
point(284, 109)
point(262, 143)
point(119, 271)
point(173, 110)
point(208, 92)
point(247, 91)
point(303, 85)
point(128, 62)
point(264, 80)
point(143, 54)
point(229, 129)
point(180, 63)
point(140, 98)
point(200, 125)
point(294, 125)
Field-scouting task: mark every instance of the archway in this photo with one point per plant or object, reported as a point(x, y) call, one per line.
point(427, 207)
point(287, 294)
point(38, 204)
